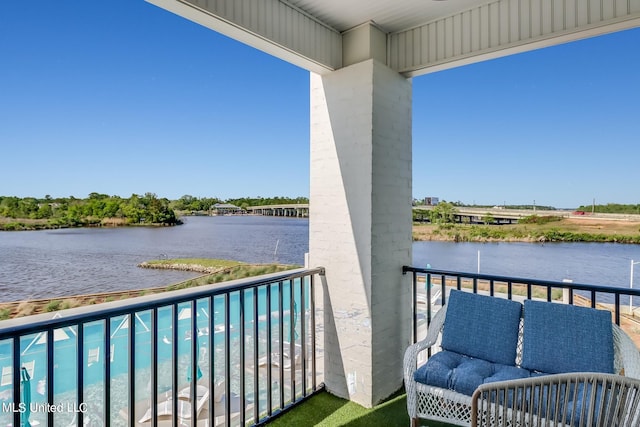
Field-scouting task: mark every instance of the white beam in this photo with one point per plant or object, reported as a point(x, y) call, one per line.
point(505, 27)
point(366, 41)
point(272, 26)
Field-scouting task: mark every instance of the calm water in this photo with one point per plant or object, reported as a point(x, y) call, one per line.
point(65, 262)
point(592, 263)
point(41, 264)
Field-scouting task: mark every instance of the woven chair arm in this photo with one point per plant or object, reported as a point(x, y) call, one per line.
point(410, 362)
point(627, 355)
point(411, 354)
point(580, 399)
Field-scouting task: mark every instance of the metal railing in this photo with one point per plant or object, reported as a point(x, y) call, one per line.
point(510, 287)
point(232, 354)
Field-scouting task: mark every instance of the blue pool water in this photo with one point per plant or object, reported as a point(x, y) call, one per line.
point(33, 347)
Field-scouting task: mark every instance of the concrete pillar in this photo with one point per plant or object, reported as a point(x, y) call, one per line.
point(360, 225)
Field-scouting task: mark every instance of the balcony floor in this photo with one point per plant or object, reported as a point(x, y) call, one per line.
point(327, 410)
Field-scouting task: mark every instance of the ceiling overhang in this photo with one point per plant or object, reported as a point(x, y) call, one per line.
point(421, 36)
point(272, 26)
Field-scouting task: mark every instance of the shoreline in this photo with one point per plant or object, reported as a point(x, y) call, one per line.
point(23, 224)
point(539, 229)
point(228, 270)
point(565, 230)
point(562, 230)
point(195, 268)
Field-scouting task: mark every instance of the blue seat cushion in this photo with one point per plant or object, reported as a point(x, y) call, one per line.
point(565, 338)
point(546, 396)
point(582, 402)
point(570, 400)
point(454, 371)
point(481, 326)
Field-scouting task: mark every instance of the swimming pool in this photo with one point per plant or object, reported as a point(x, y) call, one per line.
point(212, 334)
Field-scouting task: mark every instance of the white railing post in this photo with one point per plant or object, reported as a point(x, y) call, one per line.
point(631, 286)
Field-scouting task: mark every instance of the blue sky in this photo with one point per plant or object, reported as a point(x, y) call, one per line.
point(121, 97)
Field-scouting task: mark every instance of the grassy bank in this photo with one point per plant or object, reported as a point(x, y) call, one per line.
point(564, 230)
point(217, 271)
point(557, 230)
point(27, 224)
point(198, 265)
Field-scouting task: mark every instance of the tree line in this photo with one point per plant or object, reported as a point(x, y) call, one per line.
point(613, 208)
point(102, 209)
point(191, 203)
point(94, 210)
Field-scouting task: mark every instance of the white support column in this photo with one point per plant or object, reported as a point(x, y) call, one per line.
point(360, 225)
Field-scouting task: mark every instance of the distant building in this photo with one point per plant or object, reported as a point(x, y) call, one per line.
point(225, 209)
point(431, 201)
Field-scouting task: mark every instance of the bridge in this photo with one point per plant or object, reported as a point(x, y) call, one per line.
point(474, 215)
point(471, 215)
point(297, 210)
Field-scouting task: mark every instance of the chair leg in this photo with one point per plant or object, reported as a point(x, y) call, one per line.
point(415, 422)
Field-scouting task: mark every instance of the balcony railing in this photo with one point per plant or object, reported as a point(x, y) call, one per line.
point(172, 358)
point(231, 354)
point(429, 293)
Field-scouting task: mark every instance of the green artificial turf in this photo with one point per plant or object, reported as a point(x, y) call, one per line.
point(327, 410)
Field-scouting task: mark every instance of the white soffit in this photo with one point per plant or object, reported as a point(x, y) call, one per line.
point(389, 15)
point(422, 35)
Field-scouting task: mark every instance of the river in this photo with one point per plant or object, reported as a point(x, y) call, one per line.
point(54, 263)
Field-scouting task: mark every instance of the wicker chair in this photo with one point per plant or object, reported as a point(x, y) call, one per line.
point(576, 399)
point(444, 405)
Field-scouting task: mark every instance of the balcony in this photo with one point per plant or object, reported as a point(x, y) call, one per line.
point(166, 359)
point(173, 358)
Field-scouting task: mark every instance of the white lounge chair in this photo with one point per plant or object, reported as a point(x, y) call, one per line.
point(286, 357)
point(275, 360)
point(6, 377)
point(164, 409)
